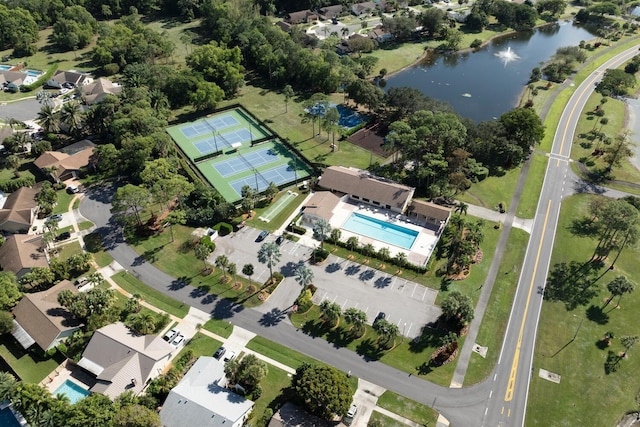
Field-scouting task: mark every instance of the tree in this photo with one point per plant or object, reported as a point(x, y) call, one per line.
point(232, 269)
point(331, 312)
point(331, 120)
point(386, 330)
point(269, 254)
point(458, 307)
point(144, 323)
point(628, 342)
point(222, 262)
point(136, 416)
point(202, 252)
point(10, 292)
point(304, 276)
point(247, 270)
point(618, 287)
point(39, 278)
point(75, 29)
point(6, 322)
point(247, 372)
point(48, 119)
point(71, 116)
point(524, 127)
point(324, 391)
point(7, 383)
point(615, 82)
point(461, 208)
point(321, 230)
point(453, 39)
point(615, 153)
point(357, 318)
point(176, 216)
point(220, 65)
point(271, 191)
point(288, 93)
point(130, 198)
point(352, 243)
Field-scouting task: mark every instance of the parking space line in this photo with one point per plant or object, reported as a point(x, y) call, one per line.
point(344, 303)
point(425, 293)
point(408, 329)
point(415, 285)
point(260, 275)
point(393, 282)
point(335, 298)
point(324, 297)
point(356, 306)
point(365, 310)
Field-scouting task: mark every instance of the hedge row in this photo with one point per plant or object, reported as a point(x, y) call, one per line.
point(41, 81)
point(12, 185)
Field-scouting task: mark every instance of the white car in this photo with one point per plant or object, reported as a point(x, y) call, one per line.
point(229, 355)
point(169, 336)
point(177, 341)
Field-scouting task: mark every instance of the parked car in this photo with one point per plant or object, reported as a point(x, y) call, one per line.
point(169, 336)
point(279, 240)
point(81, 281)
point(177, 341)
point(63, 236)
point(381, 316)
point(263, 235)
point(219, 353)
point(351, 413)
point(55, 217)
point(71, 189)
point(230, 355)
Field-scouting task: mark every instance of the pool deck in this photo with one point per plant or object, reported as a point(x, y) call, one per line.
point(61, 374)
point(422, 247)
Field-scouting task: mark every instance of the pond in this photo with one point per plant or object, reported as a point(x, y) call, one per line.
point(483, 85)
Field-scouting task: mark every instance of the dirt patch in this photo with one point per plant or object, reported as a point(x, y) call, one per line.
point(370, 138)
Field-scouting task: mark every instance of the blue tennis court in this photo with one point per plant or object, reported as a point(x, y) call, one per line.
point(240, 135)
point(213, 124)
point(279, 175)
point(255, 159)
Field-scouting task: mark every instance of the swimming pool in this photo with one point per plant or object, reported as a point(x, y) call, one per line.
point(72, 390)
point(5, 67)
point(7, 419)
point(34, 73)
point(349, 118)
point(377, 229)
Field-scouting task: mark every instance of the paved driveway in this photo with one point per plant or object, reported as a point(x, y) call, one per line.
point(407, 304)
point(25, 109)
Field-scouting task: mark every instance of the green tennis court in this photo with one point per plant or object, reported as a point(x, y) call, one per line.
point(220, 132)
point(279, 205)
point(255, 166)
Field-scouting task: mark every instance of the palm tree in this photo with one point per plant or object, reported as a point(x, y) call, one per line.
point(386, 331)
point(461, 208)
point(222, 262)
point(7, 383)
point(618, 287)
point(628, 342)
point(352, 243)
point(321, 230)
point(202, 252)
point(304, 276)
point(269, 254)
point(330, 312)
point(357, 318)
point(247, 269)
point(345, 32)
point(232, 269)
point(144, 323)
point(401, 259)
point(71, 116)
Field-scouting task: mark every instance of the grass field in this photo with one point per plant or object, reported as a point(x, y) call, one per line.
point(586, 395)
point(31, 365)
point(533, 186)
point(278, 206)
point(407, 408)
point(493, 190)
point(150, 295)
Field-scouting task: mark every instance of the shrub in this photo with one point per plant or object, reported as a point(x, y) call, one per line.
point(111, 69)
point(223, 228)
point(206, 241)
point(476, 43)
point(12, 185)
point(297, 229)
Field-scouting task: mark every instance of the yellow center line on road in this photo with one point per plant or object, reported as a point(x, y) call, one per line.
point(511, 385)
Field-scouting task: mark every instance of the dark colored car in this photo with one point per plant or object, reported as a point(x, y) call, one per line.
point(263, 235)
point(219, 353)
point(63, 236)
point(279, 240)
point(381, 316)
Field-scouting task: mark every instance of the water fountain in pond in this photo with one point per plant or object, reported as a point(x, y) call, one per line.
point(507, 55)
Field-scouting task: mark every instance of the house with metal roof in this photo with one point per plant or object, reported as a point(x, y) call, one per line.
point(201, 398)
point(40, 319)
point(123, 360)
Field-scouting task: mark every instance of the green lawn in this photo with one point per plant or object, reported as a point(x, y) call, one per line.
point(281, 217)
point(279, 352)
point(532, 187)
point(85, 225)
point(134, 286)
point(386, 421)
point(64, 199)
point(273, 386)
point(93, 243)
point(201, 345)
point(407, 408)
point(581, 362)
point(69, 249)
point(31, 365)
point(222, 328)
point(493, 190)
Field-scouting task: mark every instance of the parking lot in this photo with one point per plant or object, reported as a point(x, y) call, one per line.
point(407, 304)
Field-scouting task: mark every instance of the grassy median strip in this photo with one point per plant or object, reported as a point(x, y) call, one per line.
point(219, 327)
point(156, 298)
point(407, 408)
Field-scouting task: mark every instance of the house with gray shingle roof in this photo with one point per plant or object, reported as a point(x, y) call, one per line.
point(201, 398)
point(123, 360)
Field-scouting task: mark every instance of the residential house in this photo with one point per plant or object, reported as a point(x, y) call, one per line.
point(380, 35)
point(19, 210)
point(201, 399)
point(301, 17)
point(320, 206)
point(12, 80)
point(5, 132)
point(62, 166)
point(291, 415)
point(21, 252)
point(284, 26)
point(95, 92)
point(364, 8)
point(330, 12)
point(40, 319)
point(364, 187)
point(61, 77)
point(429, 212)
point(123, 361)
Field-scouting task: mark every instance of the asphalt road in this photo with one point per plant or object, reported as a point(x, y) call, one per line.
point(512, 375)
point(25, 109)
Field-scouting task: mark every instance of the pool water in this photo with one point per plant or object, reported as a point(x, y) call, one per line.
point(7, 419)
point(34, 73)
point(72, 390)
point(5, 67)
point(349, 118)
point(384, 231)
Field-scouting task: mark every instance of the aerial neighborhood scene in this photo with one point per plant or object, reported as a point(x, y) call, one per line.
point(306, 213)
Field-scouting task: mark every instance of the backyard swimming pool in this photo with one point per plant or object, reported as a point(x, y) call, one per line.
point(7, 419)
point(72, 390)
point(384, 231)
point(34, 73)
point(5, 67)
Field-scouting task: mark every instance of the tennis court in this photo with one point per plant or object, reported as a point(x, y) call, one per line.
point(256, 167)
point(217, 133)
point(255, 159)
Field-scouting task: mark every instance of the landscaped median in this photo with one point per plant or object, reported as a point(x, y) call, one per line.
point(156, 298)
